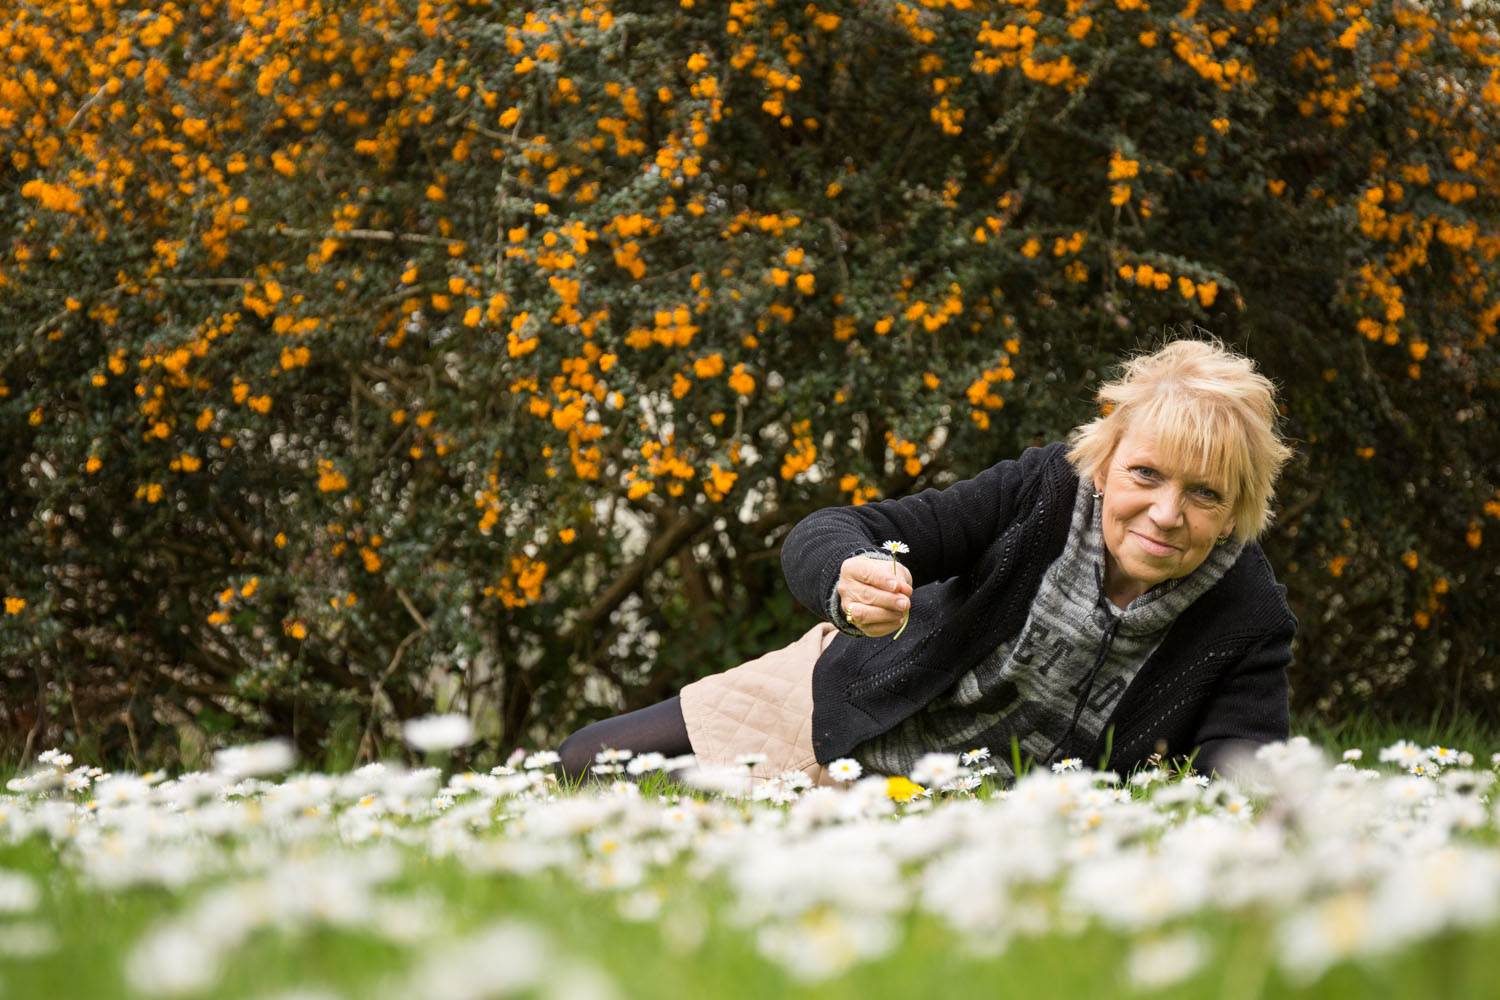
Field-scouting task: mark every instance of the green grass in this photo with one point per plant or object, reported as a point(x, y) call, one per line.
point(662, 958)
point(1370, 733)
point(693, 946)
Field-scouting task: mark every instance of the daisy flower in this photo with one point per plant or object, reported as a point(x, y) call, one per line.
point(1403, 753)
point(1156, 963)
point(936, 769)
point(56, 758)
point(609, 755)
point(1442, 756)
point(438, 733)
point(254, 759)
point(896, 548)
point(845, 769)
point(646, 762)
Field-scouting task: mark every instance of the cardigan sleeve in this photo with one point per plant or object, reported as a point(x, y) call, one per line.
point(945, 530)
point(1250, 707)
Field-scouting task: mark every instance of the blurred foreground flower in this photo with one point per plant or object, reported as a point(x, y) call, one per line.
point(436, 733)
point(255, 759)
point(18, 893)
point(1157, 963)
point(902, 789)
point(1331, 866)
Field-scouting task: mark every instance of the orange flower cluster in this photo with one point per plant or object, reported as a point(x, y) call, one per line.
point(665, 463)
point(330, 479)
point(227, 597)
point(522, 584)
point(718, 482)
point(1205, 293)
point(1432, 604)
point(803, 452)
point(859, 492)
point(905, 453)
point(932, 316)
point(543, 202)
point(981, 392)
point(671, 328)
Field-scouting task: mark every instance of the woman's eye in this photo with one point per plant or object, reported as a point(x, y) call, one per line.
point(1207, 495)
point(1144, 471)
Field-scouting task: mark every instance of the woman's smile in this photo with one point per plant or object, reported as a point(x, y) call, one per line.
point(1160, 521)
point(1154, 546)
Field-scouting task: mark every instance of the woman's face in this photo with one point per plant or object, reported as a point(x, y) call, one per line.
point(1160, 522)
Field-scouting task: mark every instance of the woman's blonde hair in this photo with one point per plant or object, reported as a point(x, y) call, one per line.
point(1210, 412)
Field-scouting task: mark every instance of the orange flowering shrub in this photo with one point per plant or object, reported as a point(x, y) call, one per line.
point(499, 343)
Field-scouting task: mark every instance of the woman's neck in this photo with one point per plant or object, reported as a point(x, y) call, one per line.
point(1120, 589)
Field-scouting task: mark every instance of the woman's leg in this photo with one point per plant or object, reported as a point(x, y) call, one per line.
point(656, 728)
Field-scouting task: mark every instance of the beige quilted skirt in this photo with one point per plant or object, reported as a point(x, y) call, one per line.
point(763, 706)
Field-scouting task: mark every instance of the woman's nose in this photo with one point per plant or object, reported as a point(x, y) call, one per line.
point(1166, 507)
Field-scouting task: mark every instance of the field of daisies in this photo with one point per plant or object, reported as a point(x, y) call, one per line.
point(1309, 875)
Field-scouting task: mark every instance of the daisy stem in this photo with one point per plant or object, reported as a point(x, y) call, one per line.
point(904, 619)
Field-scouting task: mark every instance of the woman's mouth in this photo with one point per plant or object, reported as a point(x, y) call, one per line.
point(1153, 546)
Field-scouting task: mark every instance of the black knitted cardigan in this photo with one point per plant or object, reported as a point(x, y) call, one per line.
point(1216, 684)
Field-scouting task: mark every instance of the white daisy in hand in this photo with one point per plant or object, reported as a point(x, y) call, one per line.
point(896, 548)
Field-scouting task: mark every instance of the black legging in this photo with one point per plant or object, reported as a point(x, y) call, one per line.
point(656, 728)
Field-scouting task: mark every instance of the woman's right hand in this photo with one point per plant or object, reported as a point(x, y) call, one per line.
point(875, 594)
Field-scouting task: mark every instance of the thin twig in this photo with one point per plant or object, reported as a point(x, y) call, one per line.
point(85, 106)
point(411, 609)
point(379, 688)
point(41, 715)
point(42, 328)
point(196, 283)
point(373, 235)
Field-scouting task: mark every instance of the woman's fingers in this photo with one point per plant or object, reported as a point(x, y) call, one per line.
point(873, 620)
point(863, 575)
point(871, 605)
point(875, 593)
point(862, 614)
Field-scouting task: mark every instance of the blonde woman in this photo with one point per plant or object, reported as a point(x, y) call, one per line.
point(1100, 600)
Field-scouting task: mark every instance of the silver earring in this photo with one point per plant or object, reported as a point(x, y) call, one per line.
point(1098, 495)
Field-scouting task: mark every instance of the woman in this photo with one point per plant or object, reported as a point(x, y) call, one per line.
point(1103, 600)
